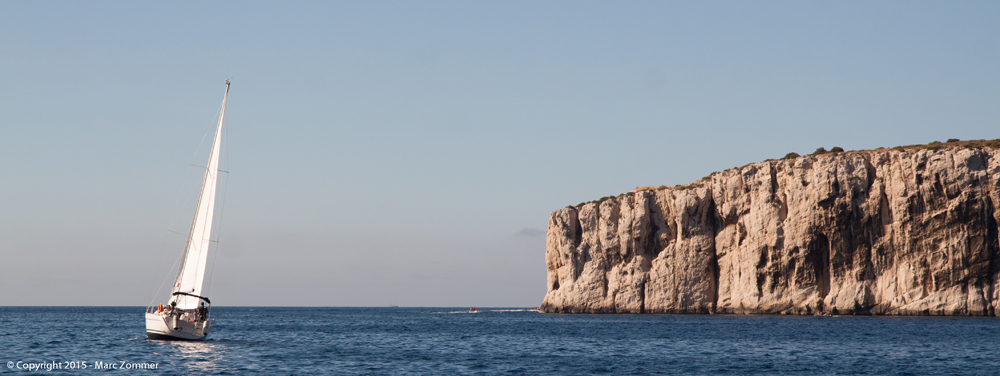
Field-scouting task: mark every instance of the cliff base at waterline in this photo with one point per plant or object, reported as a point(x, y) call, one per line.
point(905, 231)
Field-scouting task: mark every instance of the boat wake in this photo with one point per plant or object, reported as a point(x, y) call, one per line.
point(493, 310)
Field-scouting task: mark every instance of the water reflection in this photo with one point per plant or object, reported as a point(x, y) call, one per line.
point(197, 356)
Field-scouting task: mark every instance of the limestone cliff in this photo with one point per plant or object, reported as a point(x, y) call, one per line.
point(906, 231)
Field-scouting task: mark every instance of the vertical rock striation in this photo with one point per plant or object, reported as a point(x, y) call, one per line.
point(896, 232)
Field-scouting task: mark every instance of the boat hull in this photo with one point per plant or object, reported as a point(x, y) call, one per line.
point(167, 327)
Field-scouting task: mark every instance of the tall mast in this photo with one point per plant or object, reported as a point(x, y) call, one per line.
point(191, 272)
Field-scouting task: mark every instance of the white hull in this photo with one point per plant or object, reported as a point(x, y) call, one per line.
point(159, 326)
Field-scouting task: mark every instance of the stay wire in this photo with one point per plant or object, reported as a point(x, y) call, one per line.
point(219, 115)
point(222, 211)
point(177, 210)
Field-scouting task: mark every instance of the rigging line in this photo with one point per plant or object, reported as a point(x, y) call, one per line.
point(218, 235)
point(188, 172)
point(222, 211)
point(208, 172)
point(163, 246)
point(201, 195)
point(177, 263)
point(202, 142)
point(177, 211)
point(223, 171)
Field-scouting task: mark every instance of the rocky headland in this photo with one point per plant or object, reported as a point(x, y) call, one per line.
point(902, 231)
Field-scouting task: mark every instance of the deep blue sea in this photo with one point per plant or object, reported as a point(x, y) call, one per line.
point(436, 341)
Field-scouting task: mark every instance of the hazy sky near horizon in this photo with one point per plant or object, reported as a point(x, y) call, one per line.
point(410, 152)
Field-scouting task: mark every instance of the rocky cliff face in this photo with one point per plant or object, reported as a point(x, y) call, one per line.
point(897, 232)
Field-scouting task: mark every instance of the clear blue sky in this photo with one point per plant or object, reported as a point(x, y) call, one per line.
point(410, 152)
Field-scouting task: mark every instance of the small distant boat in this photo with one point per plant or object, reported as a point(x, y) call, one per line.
point(534, 309)
point(473, 310)
point(186, 314)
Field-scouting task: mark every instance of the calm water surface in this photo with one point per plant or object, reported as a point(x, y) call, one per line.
point(379, 341)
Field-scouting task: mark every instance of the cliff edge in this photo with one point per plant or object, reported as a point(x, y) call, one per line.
point(905, 231)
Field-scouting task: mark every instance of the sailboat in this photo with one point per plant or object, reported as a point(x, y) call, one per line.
point(186, 315)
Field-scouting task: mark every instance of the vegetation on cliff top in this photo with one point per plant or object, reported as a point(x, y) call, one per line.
point(936, 145)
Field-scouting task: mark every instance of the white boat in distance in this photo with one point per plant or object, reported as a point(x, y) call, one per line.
point(186, 315)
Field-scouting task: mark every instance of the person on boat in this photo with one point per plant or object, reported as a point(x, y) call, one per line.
point(201, 312)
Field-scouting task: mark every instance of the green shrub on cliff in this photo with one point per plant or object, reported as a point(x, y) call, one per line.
point(936, 145)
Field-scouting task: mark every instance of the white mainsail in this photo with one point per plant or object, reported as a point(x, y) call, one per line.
point(191, 272)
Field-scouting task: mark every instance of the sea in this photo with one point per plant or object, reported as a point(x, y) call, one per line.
point(494, 341)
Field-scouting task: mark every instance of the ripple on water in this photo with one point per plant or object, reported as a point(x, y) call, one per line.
point(263, 340)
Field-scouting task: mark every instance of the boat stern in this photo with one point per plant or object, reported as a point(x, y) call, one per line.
point(172, 327)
